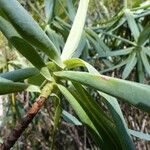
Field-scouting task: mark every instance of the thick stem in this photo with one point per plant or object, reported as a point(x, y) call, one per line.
point(27, 119)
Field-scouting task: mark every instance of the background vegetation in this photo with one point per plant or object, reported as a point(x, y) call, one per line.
point(115, 40)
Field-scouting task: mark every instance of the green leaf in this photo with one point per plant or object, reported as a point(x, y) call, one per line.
point(20, 74)
point(80, 112)
point(45, 72)
point(132, 24)
point(70, 118)
point(33, 88)
point(98, 44)
point(119, 52)
point(122, 63)
point(146, 50)
point(132, 60)
point(119, 120)
point(29, 29)
point(49, 9)
point(73, 62)
point(7, 86)
point(131, 92)
point(55, 38)
point(140, 68)
point(145, 62)
point(103, 123)
point(57, 117)
point(37, 80)
point(144, 35)
point(76, 31)
point(60, 9)
point(140, 135)
point(27, 51)
point(113, 107)
point(20, 44)
point(71, 9)
point(118, 37)
point(76, 62)
point(80, 48)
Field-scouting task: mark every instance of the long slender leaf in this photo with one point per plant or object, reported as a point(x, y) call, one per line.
point(102, 122)
point(140, 68)
point(129, 66)
point(140, 135)
point(49, 9)
point(144, 35)
point(80, 112)
point(119, 52)
point(132, 24)
point(146, 50)
point(57, 117)
point(28, 28)
point(76, 62)
point(20, 44)
point(145, 62)
point(71, 9)
point(122, 63)
point(98, 44)
point(111, 102)
point(70, 118)
point(76, 30)
point(55, 38)
point(23, 47)
point(118, 118)
point(118, 37)
point(80, 48)
point(20, 74)
point(7, 86)
point(134, 93)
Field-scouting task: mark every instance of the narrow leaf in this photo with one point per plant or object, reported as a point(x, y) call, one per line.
point(144, 35)
point(71, 9)
point(140, 135)
point(20, 44)
point(28, 28)
point(145, 62)
point(57, 117)
point(97, 43)
point(119, 52)
point(134, 93)
point(140, 68)
point(7, 86)
point(132, 24)
point(70, 118)
point(45, 72)
point(113, 107)
point(49, 8)
point(20, 74)
point(103, 123)
point(80, 112)
point(146, 50)
point(119, 120)
point(76, 30)
point(33, 88)
point(132, 60)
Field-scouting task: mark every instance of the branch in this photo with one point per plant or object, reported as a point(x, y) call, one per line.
point(27, 119)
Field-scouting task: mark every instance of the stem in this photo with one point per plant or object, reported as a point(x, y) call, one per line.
point(27, 119)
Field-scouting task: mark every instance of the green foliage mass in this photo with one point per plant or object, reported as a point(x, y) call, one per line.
point(68, 46)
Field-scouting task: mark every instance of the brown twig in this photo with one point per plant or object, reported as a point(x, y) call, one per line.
point(26, 120)
point(22, 125)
